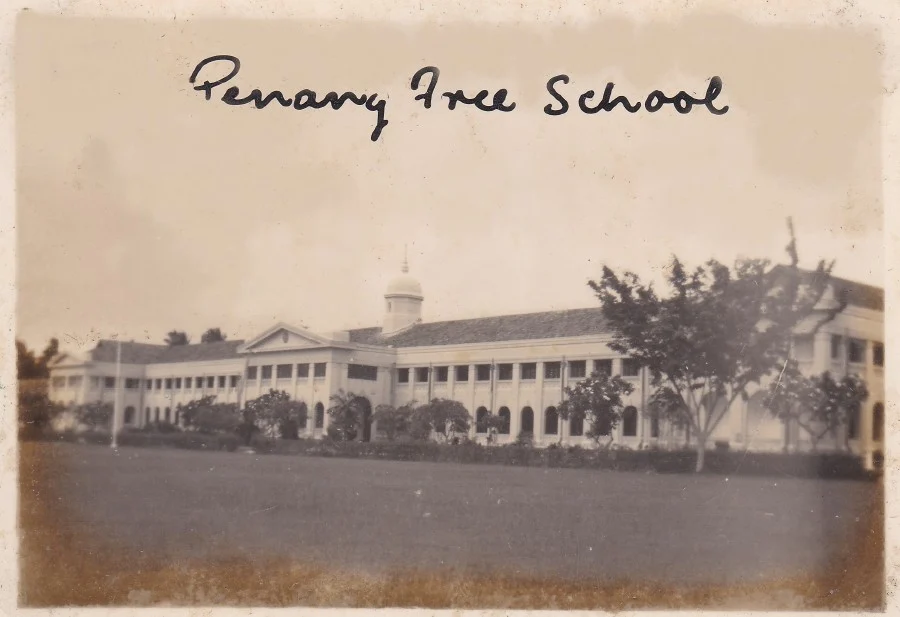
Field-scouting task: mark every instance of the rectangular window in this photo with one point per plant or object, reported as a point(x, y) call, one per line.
point(835, 346)
point(552, 370)
point(577, 368)
point(482, 372)
point(95, 383)
point(528, 370)
point(159, 384)
point(462, 372)
point(59, 382)
point(284, 371)
point(603, 366)
point(441, 374)
point(198, 383)
point(169, 383)
point(210, 382)
point(108, 382)
point(222, 379)
point(319, 369)
point(235, 380)
point(177, 383)
point(878, 354)
point(303, 371)
point(402, 375)
point(132, 383)
point(630, 367)
point(75, 381)
point(251, 373)
point(149, 384)
point(188, 383)
point(267, 372)
point(362, 371)
point(856, 351)
point(421, 374)
point(504, 372)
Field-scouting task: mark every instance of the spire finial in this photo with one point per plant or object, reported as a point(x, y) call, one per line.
point(405, 267)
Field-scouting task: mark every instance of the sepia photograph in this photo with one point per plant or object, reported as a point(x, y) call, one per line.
point(450, 313)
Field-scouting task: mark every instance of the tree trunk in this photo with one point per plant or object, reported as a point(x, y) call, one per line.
point(701, 454)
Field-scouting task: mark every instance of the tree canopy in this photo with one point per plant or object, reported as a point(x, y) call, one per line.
point(715, 332)
point(597, 399)
point(177, 337)
point(819, 404)
point(213, 335)
point(443, 418)
point(29, 365)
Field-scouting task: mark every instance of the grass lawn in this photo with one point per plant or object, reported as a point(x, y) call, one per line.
point(148, 525)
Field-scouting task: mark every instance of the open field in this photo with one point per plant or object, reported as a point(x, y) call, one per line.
point(133, 526)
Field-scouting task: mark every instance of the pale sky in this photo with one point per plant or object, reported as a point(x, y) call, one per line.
point(144, 208)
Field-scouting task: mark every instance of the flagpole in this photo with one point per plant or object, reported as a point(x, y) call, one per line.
point(117, 403)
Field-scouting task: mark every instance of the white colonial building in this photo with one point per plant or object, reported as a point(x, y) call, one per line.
point(516, 366)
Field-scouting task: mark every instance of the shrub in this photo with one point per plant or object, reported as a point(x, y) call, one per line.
point(525, 439)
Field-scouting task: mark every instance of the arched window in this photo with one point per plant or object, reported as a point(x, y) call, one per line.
point(480, 415)
point(576, 426)
point(168, 414)
point(129, 415)
point(604, 427)
point(504, 413)
point(551, 421)
point(629, 422)
point(527, 420)
point(853, 424)
point(878, 422)
point(320, 415)
point(304, 413)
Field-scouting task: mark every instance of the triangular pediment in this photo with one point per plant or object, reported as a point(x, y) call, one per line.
point(69, 358)
point(283, 337)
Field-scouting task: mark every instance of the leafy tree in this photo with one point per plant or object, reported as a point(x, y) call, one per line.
point(276, 414)
point(442, 417)
point(204, 415)
point(50, 352)
point(36, 410)
point(26, 363)
point(189, 412)
point(176, 337)
point(345, 416)
point(95, 415)
point(212, 335)
point(491, 424)
point(819, 404)
point(393, 420)
point(719, 330)
point(31, 366)
point(218, 418)
point(597, 399)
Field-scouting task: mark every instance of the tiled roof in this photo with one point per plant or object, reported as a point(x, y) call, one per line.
point(553, 324)
point(145, 353)
point(860, 294)
point(856, 294)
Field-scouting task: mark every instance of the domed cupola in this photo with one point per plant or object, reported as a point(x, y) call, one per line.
point(403, 302)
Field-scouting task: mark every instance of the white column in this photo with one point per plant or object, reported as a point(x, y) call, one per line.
point(515, 413)
point(539, 412)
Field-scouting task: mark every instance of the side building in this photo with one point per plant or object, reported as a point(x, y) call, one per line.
point(515, 366)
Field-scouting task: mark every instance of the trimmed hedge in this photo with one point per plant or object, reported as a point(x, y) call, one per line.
point(148, 439)
point(724, 462)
